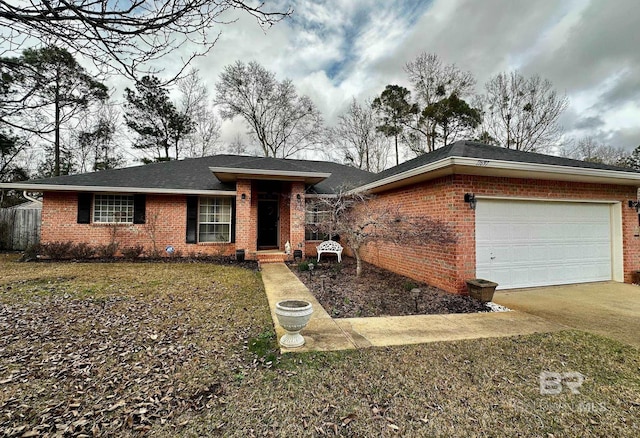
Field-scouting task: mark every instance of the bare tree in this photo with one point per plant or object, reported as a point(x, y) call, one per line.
point(282, 122)
point(589, 149)
point(358, 140)
point(432, 80)
point(124, 36)
point(237, 146)
point(96, 139)
point(358, 221)
point(522, 113)
point(195, 103)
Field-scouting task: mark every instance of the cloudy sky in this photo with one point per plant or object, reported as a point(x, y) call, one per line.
point(336, 50)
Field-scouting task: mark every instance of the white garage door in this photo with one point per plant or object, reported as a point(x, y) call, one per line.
point(529, 243)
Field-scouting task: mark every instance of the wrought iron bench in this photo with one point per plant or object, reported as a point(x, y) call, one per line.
point(330, 246)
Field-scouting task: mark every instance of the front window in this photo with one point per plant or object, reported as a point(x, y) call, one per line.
point(111, 209)
point(313, 219)
point(214, 220)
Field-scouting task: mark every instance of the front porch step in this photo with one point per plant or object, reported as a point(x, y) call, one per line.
point(271, 257)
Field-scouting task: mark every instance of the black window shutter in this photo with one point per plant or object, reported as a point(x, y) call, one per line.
point(192, 219)
point(84, 208)
point(139, 209)
point(233, 220)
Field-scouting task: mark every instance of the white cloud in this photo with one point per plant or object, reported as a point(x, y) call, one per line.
point(333, 50)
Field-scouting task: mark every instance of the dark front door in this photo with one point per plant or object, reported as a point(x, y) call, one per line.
point(267, 224)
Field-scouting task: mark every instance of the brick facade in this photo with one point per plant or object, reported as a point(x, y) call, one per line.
point(443, 199)
point(297, 217)
point(166, 223)
point(246, 218)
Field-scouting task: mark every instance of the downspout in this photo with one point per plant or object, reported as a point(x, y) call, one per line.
point(29, 198)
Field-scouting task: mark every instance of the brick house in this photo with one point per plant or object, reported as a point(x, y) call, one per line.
point(521, 219)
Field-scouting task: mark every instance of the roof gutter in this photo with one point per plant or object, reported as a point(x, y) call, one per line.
point(478, 166)
point(429, 167)
point(228, 174)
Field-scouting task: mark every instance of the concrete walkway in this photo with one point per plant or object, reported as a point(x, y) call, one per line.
point(326, 334)
point(608, 308)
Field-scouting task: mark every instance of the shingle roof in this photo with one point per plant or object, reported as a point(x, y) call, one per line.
point(481, 151)
point(194, 174)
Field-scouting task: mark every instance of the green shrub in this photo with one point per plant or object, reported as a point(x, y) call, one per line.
point(132, 252)
point(408, 285)
point(57, 250)
point(82, 251)
point(303, 266)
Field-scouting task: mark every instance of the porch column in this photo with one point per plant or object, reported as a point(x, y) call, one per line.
point(246, 219)
point(297, 217)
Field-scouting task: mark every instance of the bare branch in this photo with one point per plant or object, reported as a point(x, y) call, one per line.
point(357, 221)
point(124, 36)
point(522, 113)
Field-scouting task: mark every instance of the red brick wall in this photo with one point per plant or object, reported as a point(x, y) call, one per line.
point(165, 218)
point(284, 218)
point(246, 218)
point(443, 198)
point(297, 217)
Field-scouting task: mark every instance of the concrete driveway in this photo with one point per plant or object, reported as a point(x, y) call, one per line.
point(609, 309)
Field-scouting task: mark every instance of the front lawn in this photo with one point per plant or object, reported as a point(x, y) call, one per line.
point(168, 349)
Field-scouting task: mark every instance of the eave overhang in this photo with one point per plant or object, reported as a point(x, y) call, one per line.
point(228, 174)
point(111, 189)
point(499, 168)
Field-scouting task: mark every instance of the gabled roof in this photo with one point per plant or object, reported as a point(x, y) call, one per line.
point(473, 158)
point(217, 174)
point(194, 176)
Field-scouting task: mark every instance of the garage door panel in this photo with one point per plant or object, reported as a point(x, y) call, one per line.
point(528, 243)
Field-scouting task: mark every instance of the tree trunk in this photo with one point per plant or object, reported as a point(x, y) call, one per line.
point(56, 140)
point(358, 264)
point(366, 148)
point(166, 150)
point(397, 156)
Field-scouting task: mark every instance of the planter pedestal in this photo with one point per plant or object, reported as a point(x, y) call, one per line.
point(481, 290)
point(293, 316)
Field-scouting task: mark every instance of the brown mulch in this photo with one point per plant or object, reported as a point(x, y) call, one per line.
point(378, 292)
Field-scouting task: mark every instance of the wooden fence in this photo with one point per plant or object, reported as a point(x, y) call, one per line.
point(19, 228)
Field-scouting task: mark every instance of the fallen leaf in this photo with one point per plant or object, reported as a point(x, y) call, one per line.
point(116, 405)
point(348, 419)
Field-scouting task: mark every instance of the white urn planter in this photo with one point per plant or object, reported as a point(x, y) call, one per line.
point(293, 316)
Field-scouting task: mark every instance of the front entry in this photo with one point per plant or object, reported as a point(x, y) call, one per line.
point(268, 223)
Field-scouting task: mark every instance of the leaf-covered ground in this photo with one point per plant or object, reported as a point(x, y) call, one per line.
point(377, 292)
point(187, 350)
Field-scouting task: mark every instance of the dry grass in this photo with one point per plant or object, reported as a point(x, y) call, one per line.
point(163, 349)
